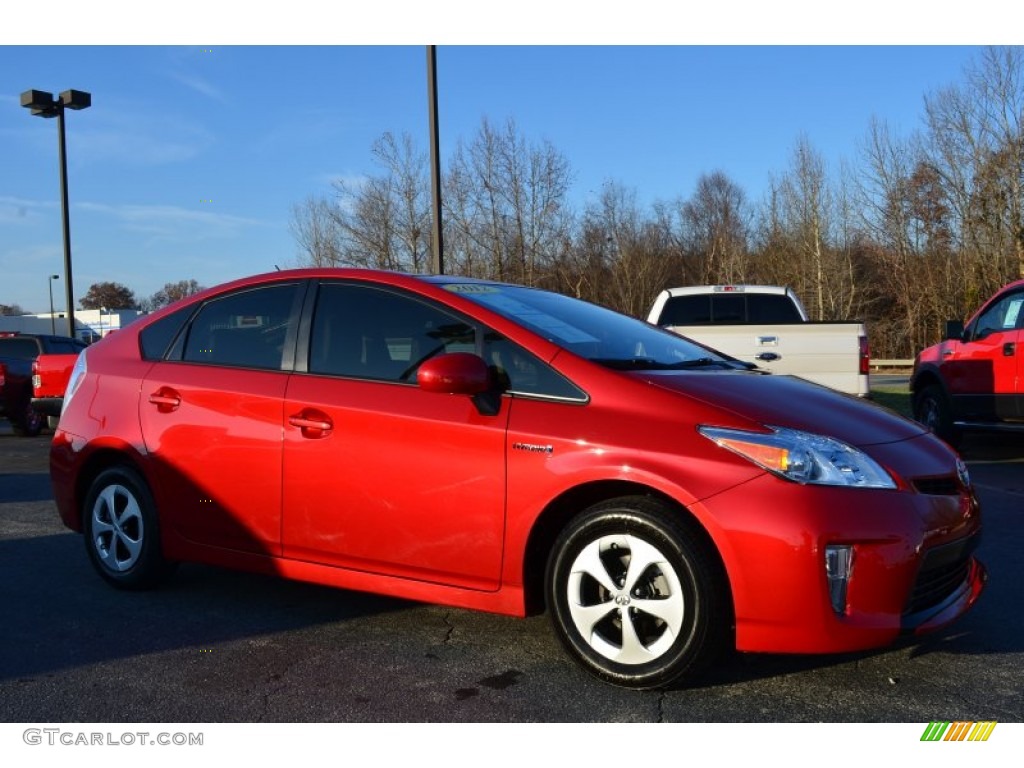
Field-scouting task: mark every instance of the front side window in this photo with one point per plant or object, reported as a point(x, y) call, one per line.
point(520, 373)
point(247, 329)
point(1005, 315)
point(370, 333)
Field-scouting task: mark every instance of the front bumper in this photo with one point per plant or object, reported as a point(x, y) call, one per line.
point(914, 568)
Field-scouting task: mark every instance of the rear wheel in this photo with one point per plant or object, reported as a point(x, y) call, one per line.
point(636, 595)
point(30, 423)
point(122, 531)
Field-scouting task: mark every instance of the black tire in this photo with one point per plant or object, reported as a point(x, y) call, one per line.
point(682, 581)
point(122, 530)
point(30, 423)
point(932, 409)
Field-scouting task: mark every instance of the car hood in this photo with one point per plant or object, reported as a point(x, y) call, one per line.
point(786, 401)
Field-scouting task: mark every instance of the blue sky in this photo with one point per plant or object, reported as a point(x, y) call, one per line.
point(189, 160)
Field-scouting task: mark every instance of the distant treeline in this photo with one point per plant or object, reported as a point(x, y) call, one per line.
point(918, 230)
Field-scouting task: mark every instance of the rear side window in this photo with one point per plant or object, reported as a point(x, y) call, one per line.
point(247, 329)
point(155, 339)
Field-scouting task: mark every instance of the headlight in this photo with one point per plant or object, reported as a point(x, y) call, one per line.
point(803, 457)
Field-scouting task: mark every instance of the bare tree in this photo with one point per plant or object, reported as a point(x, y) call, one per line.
point(505, 211)
point(316, 230)
point(172, 292)
point(714, 230)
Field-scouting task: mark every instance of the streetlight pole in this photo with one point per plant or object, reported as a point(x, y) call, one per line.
point(437, 262)
point(43, 104)
point(53, 324)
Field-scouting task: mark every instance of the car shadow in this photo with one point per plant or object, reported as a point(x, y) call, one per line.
point(66, 616)
point(24, 486)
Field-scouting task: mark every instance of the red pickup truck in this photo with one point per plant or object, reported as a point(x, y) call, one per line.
point(18, 355)
point(973, 379)
point(50, 376)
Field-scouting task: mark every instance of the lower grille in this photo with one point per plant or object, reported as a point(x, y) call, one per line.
point(937, 486)
point(943, 572)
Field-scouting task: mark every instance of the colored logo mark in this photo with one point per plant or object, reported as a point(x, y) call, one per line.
point(958, 731)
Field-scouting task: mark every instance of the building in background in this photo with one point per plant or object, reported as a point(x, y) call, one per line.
point(90, 324)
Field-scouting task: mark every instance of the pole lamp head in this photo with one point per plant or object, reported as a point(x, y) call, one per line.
point(40, 102)
point(76, 99)
point(44, 104)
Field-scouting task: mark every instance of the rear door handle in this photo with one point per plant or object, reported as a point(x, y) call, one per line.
point(165, 399)
point(313, 423)
point(1009, 349)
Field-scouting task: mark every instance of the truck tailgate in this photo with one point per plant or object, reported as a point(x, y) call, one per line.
point(825, 353)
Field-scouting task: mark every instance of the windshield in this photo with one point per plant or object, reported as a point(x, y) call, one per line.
point(590, 331)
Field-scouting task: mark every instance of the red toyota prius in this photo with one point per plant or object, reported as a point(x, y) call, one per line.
point(508, 449)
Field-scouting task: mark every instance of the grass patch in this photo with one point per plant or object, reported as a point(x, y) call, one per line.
point(894, 398)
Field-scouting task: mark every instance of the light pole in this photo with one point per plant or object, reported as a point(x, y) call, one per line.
point(437, 261)
point(43, 104)
point(49, 284)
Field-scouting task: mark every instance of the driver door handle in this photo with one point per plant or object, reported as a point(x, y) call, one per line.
point(313, 423)
point(165, 399)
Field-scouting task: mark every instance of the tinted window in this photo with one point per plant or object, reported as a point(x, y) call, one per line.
point(369, 333)
point(1006, 314)
point(246, 329)
point(156, 338)
point(687, 310)
point(771, 308)
point(728, 309)
point(517, 371)
point(598, 334)
point(67, 346)
point(21, 349)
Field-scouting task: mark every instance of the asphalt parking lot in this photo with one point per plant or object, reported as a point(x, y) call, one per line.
point(219, 646)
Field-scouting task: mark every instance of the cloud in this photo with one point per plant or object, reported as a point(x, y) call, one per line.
point(173, 222)
point(18, 210)
point(145, 138)
point(199, 85)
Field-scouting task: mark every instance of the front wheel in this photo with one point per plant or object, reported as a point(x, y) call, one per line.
point(122, 531)
point(932, 410)
point(636, 594)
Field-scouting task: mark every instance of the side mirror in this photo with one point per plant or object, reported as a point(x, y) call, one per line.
point(954, 330)
point(457, 373)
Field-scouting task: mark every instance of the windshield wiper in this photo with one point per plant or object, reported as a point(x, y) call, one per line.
point(650, 364)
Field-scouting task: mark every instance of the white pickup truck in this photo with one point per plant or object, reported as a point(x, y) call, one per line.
point(767, 325)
